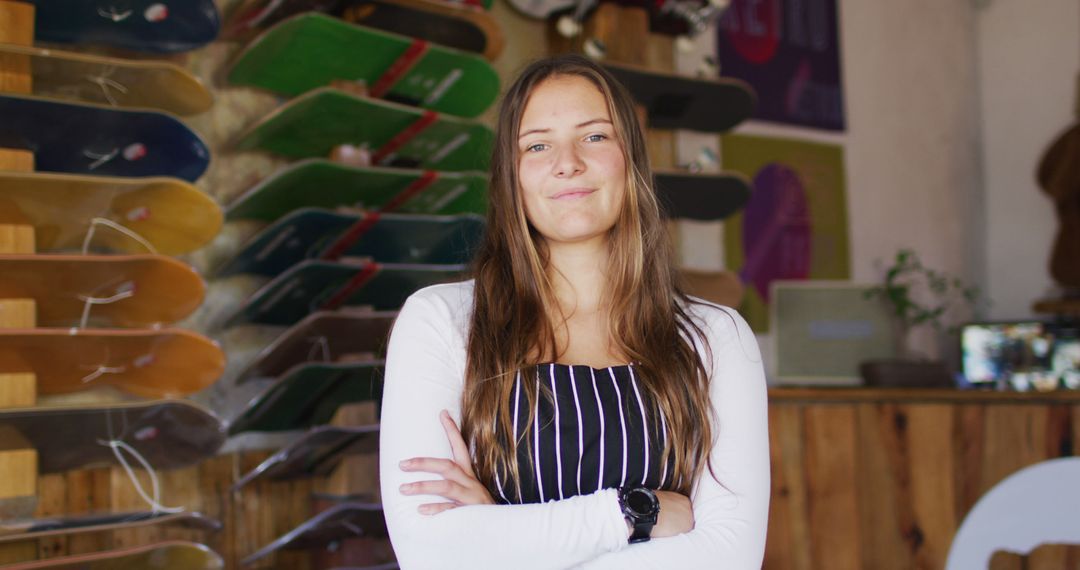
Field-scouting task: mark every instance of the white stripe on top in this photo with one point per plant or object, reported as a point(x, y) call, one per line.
point(644, 424)
point(600, 411)
point(622, 424)
point(580, 431)
point(558, 436)
point(536, 442)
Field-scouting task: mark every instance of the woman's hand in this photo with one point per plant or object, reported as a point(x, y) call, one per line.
point(458, 483)
point(676, 515)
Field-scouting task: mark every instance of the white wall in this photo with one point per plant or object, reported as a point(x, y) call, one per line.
point(1029, 58)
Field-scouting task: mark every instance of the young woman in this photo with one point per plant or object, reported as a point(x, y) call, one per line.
point(607, 419)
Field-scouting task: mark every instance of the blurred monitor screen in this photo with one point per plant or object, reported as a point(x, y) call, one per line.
point(1022, 355)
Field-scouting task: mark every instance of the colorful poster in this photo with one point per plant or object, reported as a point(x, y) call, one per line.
point(795, 225)
point(788, 50)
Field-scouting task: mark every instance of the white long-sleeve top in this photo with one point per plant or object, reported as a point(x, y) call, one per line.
point(425, 367)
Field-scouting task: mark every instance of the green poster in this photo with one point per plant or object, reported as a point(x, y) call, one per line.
point(795, 225)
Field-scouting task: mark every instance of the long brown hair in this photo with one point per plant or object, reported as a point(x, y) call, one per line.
point(514, 306)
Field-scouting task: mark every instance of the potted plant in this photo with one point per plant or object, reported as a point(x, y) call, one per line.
point(916, 296)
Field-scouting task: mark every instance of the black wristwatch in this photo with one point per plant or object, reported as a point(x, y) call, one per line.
point(641, 507)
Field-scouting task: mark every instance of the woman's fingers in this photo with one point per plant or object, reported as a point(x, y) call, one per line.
point(436, 508)
point(449, 469)
point(457, 443)
point(442, 487)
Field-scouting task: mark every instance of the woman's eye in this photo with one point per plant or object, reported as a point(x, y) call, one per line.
point(536, 147)
point(596, 138)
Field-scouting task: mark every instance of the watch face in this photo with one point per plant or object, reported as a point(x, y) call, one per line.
point(641, 501)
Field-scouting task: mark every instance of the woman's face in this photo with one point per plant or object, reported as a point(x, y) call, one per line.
point(571, 168)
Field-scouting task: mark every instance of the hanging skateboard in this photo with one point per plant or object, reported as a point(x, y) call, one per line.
point(112, 81)
point(167, 555)
point(385, 238)
point(703, 197)
point(168, 434)
point(364, 188)
point(455, 25)
point(317, 452)
point(680, 102)
point(684, 18)
point(82, 138)
point(315, 123)
point(325, 285)
point(154, 26)
point(170, 215)
point(308, 395)
point(314, 50)
point(109, 291)
point(339, 522)
point(31, 529)
point(329, 336)
point(149, 363)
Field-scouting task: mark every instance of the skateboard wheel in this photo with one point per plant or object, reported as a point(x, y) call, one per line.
point(156, 13)
point(594, 48)
point(684, 44)
point(568, 27)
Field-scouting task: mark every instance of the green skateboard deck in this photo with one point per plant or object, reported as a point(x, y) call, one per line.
point(313, 50)
point(169, 434)
point(329, 336)
point(385, 238)
point(326, 285)
point(313, 124)
point(149, 363)
point(173, 216)
point(149, 289)
point(113, 81)
point(364, 188)
point(317, 452)
point(308, 395)
point(17, 530)
point(342, 521)
point(458, 26)
point(169, 555)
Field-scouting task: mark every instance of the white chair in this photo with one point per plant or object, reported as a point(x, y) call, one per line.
point(1037, 504)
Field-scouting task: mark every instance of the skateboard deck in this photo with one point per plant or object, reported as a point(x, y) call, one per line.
point(313, 50)
point(313, 124)
point(316, 453)
point(459, 26)
point(703, 197)
point(384, 238)
point(308, 395)
point(31, 529)
point(113, 81)
point(149, 363)
point(162, 290)
point(171, 215)
point(168, 555)
point(83, 138)
point(326, 285)
point(679, 102)
point(329, 336)
point(364, 188)
point(137, 25)
point(339, 522)
point(169, 434)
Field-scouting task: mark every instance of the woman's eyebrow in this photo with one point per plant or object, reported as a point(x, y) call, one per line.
point(578, 126)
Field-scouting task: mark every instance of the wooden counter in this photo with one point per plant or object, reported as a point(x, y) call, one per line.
point(882, 478)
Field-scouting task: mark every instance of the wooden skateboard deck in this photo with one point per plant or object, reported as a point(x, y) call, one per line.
point(83, 138)
point(317, 452)
point(32, 529)
point(703, 197)
point(170, 214)
point(113, 81)
point(342, 521)
point(163, 290)
point(169, 434)
point(308, 395)
point(137, 25)
point(324, 285)
point(385, 238)
point(149, 363)
point(168, 555)
point(313, 124)
point(455, 25)
point(329, 336)
point(313, 50)
point(363, 188)
point(679, 102)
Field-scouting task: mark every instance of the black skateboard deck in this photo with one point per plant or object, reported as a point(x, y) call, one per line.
point(137, 25)
point(167, 555)
point(31, 529)
point(317, 452)
point(702, 197)
point(346, 520)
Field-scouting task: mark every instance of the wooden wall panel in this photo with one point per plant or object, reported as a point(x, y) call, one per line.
point(884, 508)
point(831, 484)
point(930, 467)
point(789, 533)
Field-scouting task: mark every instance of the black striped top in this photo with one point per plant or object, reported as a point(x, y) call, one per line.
point(593, 428)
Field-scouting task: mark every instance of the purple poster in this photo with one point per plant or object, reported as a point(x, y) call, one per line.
point(789, 52)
